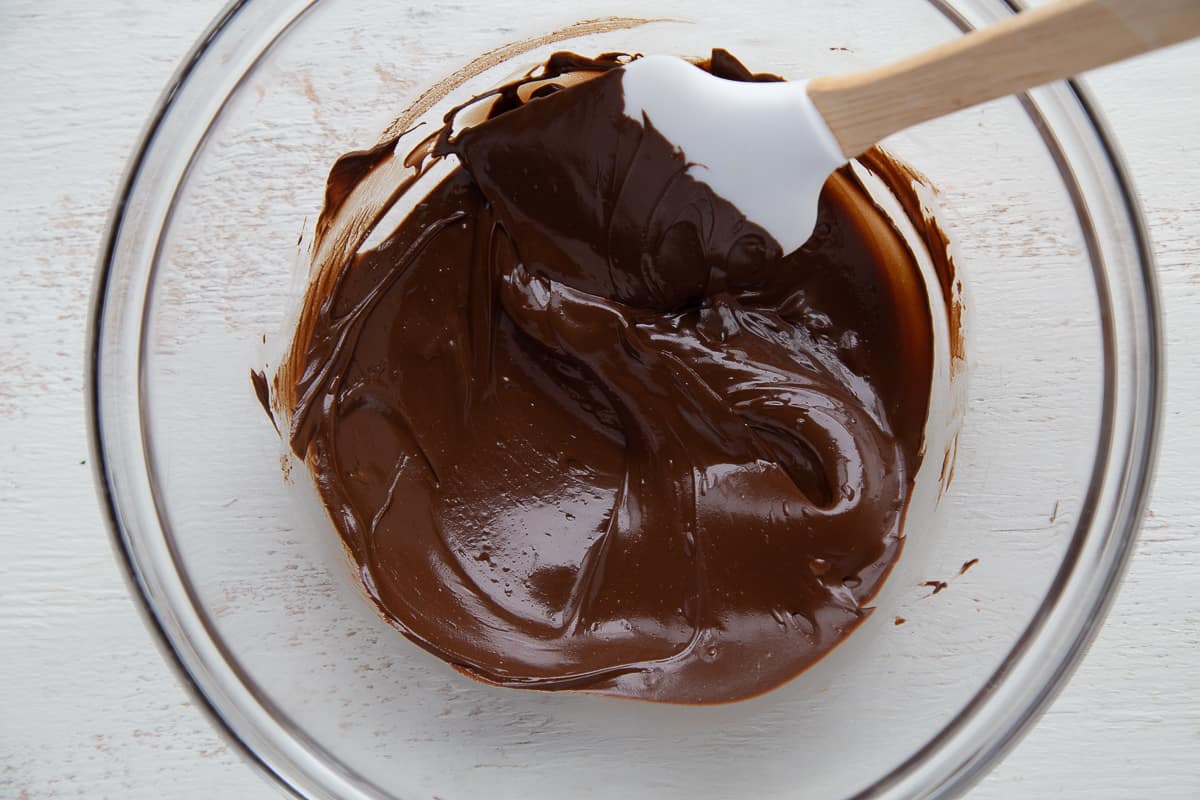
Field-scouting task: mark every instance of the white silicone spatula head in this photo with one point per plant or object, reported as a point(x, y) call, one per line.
point(764, 147)
point(768, 147)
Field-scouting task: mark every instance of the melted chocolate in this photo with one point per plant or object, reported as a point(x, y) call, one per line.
point(583, 426)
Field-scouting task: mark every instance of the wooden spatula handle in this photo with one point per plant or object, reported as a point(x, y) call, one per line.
point(1029, 49)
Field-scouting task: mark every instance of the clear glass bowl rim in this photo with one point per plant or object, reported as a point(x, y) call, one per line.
point(1015, 695)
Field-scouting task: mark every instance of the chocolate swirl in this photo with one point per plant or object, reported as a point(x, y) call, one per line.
point(583, 426)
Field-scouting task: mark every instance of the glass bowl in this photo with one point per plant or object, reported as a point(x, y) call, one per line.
point(248, 587)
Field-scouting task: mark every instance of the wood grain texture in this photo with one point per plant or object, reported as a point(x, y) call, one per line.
point(1045, 44)
point(87, 706)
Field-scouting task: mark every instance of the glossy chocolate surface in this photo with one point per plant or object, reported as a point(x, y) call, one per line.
point(582, 426)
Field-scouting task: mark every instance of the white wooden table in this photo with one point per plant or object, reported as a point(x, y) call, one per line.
point(89, 709)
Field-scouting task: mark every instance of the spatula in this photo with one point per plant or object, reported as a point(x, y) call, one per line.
point(768, 147)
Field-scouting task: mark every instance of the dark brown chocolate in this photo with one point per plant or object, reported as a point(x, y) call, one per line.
point(583, 426)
